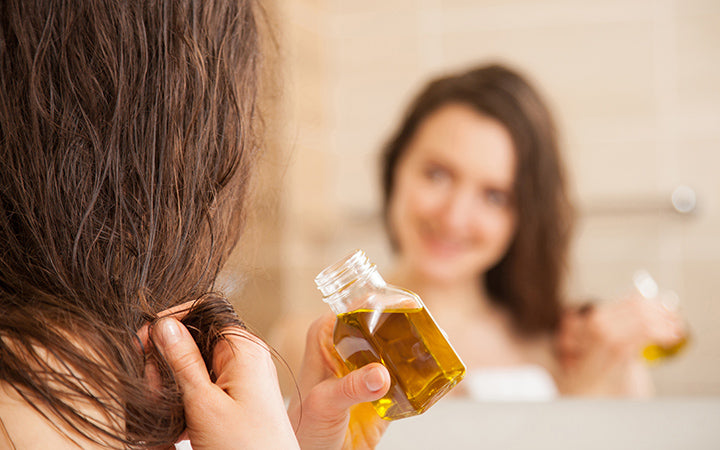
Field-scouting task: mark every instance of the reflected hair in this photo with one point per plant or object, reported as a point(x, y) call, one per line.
point(528, 280)
point(127, 137)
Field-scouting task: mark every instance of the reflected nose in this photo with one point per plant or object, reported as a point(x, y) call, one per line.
point(457, 211)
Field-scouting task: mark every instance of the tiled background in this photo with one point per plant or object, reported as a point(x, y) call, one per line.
point(635, 85)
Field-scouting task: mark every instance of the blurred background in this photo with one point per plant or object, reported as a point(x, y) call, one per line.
point(634, 85)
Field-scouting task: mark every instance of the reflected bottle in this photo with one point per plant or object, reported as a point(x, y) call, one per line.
point(647, 287)
point(380, 323)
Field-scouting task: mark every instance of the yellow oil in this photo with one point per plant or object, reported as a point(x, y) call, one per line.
point(656, 353)
point(423, 366)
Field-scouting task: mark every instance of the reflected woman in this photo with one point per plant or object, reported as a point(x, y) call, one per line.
point(477, 210)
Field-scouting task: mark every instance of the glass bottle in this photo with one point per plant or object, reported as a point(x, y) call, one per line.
point(645, 285)
point(377, 322)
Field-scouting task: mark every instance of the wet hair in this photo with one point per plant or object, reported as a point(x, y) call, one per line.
point(127, 138)
point(528, 280)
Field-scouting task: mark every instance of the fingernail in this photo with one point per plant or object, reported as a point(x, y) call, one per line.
point(168, 331)
point(374, 380)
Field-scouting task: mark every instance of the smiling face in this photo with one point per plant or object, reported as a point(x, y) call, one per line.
point(452, 210)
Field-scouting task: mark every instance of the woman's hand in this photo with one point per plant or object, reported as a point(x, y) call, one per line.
point(600, 346)
point(334, 413)
point(244, 407)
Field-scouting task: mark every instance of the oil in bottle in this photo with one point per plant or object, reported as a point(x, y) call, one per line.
point(422, 365)
point(377, 322)
point(647, 287)
point(656, 352)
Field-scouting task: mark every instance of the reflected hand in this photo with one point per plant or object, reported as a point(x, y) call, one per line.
point(335, 412)
point(600, 346)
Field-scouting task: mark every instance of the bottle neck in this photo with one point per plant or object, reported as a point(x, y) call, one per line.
point(353, 295)
point(348, 283)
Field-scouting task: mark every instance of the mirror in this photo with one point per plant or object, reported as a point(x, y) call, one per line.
point(633, 87)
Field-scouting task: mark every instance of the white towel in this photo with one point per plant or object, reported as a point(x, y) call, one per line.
point(515, 383)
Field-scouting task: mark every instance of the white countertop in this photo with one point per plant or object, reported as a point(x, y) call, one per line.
point(577, 424)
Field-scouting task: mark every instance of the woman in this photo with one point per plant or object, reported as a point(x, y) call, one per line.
point(477, 211)
point(127, 138)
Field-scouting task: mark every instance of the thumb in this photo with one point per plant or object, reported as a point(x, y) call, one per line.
point(333, 397)
point(176, 344)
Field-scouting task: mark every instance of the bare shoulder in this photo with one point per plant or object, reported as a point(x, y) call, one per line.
point(23, 427)
point(29, 423)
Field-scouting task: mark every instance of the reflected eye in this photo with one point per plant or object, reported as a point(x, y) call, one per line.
point(436, 174)
point(497, 197)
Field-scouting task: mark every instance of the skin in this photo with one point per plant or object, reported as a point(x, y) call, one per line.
point(245, 402)
point(335, 409)
point(453, 217)
point(244, 408)
point(30, 430)
point(452, 211)
point(598, 349)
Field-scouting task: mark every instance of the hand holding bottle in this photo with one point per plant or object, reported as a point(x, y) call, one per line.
point(373, 323)
point(379, 323)
point(655, 351)
point(334, 413)
point(601, 344)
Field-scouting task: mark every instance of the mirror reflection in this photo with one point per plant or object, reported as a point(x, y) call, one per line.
point(630, 88)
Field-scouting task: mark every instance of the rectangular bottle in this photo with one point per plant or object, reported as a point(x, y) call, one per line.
point(391, 326)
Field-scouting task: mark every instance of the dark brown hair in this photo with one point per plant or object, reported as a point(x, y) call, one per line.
point(126, 143)
point(528, 279)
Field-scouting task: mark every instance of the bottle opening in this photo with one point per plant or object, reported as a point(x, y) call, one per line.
point(343, 273)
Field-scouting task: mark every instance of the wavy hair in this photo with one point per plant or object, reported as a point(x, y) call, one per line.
point(127, 136)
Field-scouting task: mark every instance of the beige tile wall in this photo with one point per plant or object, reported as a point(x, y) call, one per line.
point(636, 88)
